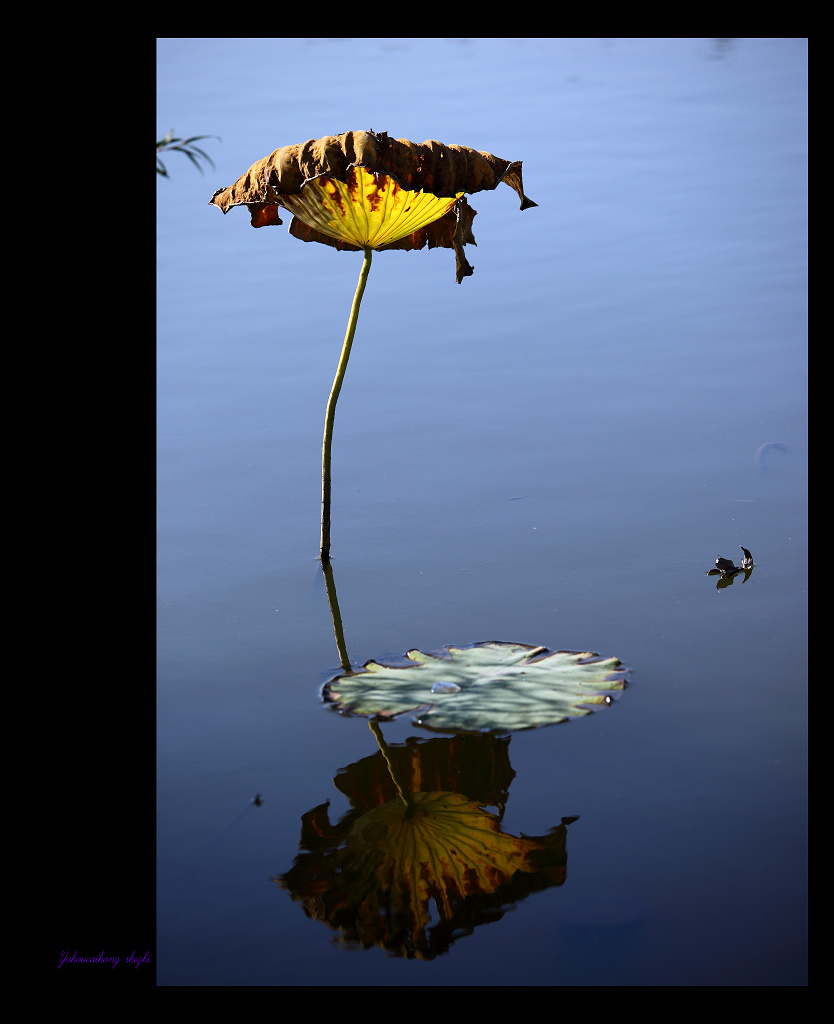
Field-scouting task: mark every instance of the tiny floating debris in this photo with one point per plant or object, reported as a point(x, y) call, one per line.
point(445, 688)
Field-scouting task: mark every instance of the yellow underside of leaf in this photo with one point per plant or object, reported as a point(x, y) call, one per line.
point(447, 846)
point(368, 210)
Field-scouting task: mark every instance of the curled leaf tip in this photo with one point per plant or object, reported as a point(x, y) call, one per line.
point(365, 190)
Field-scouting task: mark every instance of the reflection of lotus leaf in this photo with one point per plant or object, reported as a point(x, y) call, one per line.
point(441, 846)
point(413, 876)
point(475, 765)
point(495, 687)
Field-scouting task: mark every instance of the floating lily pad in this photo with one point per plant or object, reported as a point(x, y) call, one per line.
point(484, 687)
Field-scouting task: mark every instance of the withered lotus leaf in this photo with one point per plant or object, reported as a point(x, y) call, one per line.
point(365, 190)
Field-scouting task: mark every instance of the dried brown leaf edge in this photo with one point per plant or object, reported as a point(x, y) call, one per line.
point(431, 166)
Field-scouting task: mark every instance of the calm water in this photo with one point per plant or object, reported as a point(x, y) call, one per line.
point(554, 452)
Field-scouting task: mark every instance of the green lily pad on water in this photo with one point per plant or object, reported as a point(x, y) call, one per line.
point(484, 687)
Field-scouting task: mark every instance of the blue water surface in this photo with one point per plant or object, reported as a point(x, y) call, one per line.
point(553, 452)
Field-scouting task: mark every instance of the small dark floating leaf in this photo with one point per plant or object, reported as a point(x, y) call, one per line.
point(725, 565)
point(725, 568)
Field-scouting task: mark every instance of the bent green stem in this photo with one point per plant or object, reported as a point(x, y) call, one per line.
point(330, 416)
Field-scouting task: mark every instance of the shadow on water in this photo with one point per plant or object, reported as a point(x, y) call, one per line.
point(418, 862)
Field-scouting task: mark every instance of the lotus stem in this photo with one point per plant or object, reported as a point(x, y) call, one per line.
point(396, 778)
point(330, 416)
point(335, 614)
